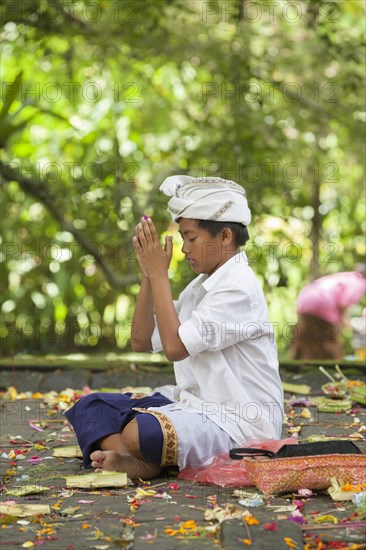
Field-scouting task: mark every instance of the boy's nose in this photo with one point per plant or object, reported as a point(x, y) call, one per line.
point(184, 248)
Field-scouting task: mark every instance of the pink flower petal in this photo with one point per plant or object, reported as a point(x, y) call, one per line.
point(35, 427)
point(270, 526)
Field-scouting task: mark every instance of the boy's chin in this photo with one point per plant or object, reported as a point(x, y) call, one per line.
point(197, 269)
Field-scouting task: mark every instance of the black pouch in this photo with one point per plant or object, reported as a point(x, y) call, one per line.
point(342, 447)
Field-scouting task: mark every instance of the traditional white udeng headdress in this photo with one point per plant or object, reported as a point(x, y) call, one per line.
point(206, 199)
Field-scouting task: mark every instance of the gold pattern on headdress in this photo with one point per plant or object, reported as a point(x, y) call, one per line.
point(217, 215)
point(196, 182)
point(175, 210)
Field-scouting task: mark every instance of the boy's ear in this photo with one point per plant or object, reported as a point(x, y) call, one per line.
point(227, 236)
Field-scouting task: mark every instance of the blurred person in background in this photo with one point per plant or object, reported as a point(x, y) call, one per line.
point(322, 314)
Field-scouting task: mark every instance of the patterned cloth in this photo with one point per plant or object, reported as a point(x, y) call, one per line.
point(100, 414)
point(285, 475)
point(167, 435)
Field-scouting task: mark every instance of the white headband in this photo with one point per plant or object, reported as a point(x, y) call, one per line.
point(206, 199)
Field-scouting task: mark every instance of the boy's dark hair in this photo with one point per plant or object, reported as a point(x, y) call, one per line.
point(239, 230)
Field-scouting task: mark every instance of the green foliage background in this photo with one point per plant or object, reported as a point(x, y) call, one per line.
point(101, 100)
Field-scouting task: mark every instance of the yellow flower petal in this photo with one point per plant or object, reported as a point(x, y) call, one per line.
point(305, 413)
point(190, 524)
point(324, 519)
point(251, 520)
point(37, 395)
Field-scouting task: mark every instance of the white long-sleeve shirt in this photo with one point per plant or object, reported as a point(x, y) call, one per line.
point(231, 374)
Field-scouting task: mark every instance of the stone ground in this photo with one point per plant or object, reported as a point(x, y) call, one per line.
point(173, 515)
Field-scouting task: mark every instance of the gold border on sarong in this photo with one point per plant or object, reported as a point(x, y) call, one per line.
point(169, 455)
point(138, 395)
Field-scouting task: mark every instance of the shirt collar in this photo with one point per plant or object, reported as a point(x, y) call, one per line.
point(208, 282)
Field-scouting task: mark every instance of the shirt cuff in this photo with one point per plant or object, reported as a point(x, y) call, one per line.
point(191, 338)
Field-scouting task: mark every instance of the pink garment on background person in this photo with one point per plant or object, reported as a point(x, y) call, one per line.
point(329, 296)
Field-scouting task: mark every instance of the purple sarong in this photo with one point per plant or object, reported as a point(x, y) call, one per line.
point(101, 414)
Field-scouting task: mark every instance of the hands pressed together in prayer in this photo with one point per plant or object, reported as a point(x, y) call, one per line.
point(155, 297)
point(154, 260)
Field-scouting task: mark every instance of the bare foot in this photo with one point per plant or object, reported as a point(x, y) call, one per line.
point(108, 460)
point(134, 467)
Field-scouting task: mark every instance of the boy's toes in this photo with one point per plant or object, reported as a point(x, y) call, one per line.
point(97, 458)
